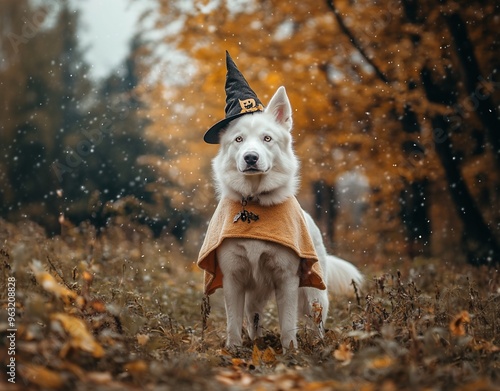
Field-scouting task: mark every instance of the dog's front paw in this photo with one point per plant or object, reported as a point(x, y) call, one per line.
point(233, 341)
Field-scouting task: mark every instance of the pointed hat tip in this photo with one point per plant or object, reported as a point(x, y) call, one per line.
point(229, 61)
point(240, 100)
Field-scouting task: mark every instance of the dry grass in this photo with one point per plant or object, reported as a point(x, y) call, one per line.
point(414, 325)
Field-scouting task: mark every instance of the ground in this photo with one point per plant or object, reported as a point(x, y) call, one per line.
point(123, 310)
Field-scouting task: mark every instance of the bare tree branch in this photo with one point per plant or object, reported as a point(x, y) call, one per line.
point(355, 41)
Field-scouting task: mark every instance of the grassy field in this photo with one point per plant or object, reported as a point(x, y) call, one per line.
point(124, 311)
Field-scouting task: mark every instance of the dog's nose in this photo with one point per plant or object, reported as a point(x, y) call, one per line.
point(251, 158)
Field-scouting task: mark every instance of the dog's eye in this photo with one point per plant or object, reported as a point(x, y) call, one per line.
point(267, 138)
point(238, 139)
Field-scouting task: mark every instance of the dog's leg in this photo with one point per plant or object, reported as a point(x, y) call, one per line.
point(234, 297)
point(236, 274)
point(287, 293)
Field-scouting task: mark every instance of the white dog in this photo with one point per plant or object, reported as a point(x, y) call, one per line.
point(256, 164)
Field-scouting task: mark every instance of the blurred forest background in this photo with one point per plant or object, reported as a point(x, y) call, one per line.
point(396, 109)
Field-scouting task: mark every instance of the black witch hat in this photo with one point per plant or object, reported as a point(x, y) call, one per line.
point(240, 100)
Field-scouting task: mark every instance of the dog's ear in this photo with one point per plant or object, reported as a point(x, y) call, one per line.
point(280, 108)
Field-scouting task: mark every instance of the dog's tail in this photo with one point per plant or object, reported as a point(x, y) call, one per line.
point(340, 274)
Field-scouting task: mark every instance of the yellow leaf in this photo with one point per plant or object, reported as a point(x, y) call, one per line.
point(343, 353)
point(457, 324)
point(381, 362)
point(238, 362)
point(142, 339)
point(98, 306)
point(41, 376)
point(87, 276)
point(136, 367)
point(256, 355)
point(268, 356)
point(486, 346)
point(49, 283)
point(80, 336)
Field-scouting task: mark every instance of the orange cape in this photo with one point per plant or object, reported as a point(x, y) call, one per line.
point(283, 224)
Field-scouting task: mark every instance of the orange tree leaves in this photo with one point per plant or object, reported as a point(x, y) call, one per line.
point(344, 115)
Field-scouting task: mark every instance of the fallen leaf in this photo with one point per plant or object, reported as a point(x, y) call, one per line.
point(99, 377)
point(41, 376)
point(136, 367)
point(80, 336)
point(343, 353)
point(87, 276)
point(289, 381)
point(224, 352)
point(486, 346)
point(361, 335)
point(256, 355)
point(317, 310)
point(268, 356)
point(457, 324)
point(478, 385)
point(238, 362)
point(98, 306)
point(381, 362)
point(228, 377)
point(49, 283)
point(246, 380)
point(142, 339)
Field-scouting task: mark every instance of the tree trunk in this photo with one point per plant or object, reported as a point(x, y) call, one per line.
point(479, 242)
point(479, 98)
point(325, 202)
point(415, 216)
point(355, 42)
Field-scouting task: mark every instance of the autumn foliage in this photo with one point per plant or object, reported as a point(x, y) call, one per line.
point(384, 91)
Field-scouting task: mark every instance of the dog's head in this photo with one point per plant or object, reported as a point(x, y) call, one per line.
point(256, 156)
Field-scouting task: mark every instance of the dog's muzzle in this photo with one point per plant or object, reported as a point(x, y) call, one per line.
point(253, 164)
point(251, 158)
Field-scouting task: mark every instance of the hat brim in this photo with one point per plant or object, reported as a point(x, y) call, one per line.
point(212, 135)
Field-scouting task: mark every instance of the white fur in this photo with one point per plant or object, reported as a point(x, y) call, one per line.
point(256, 159)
